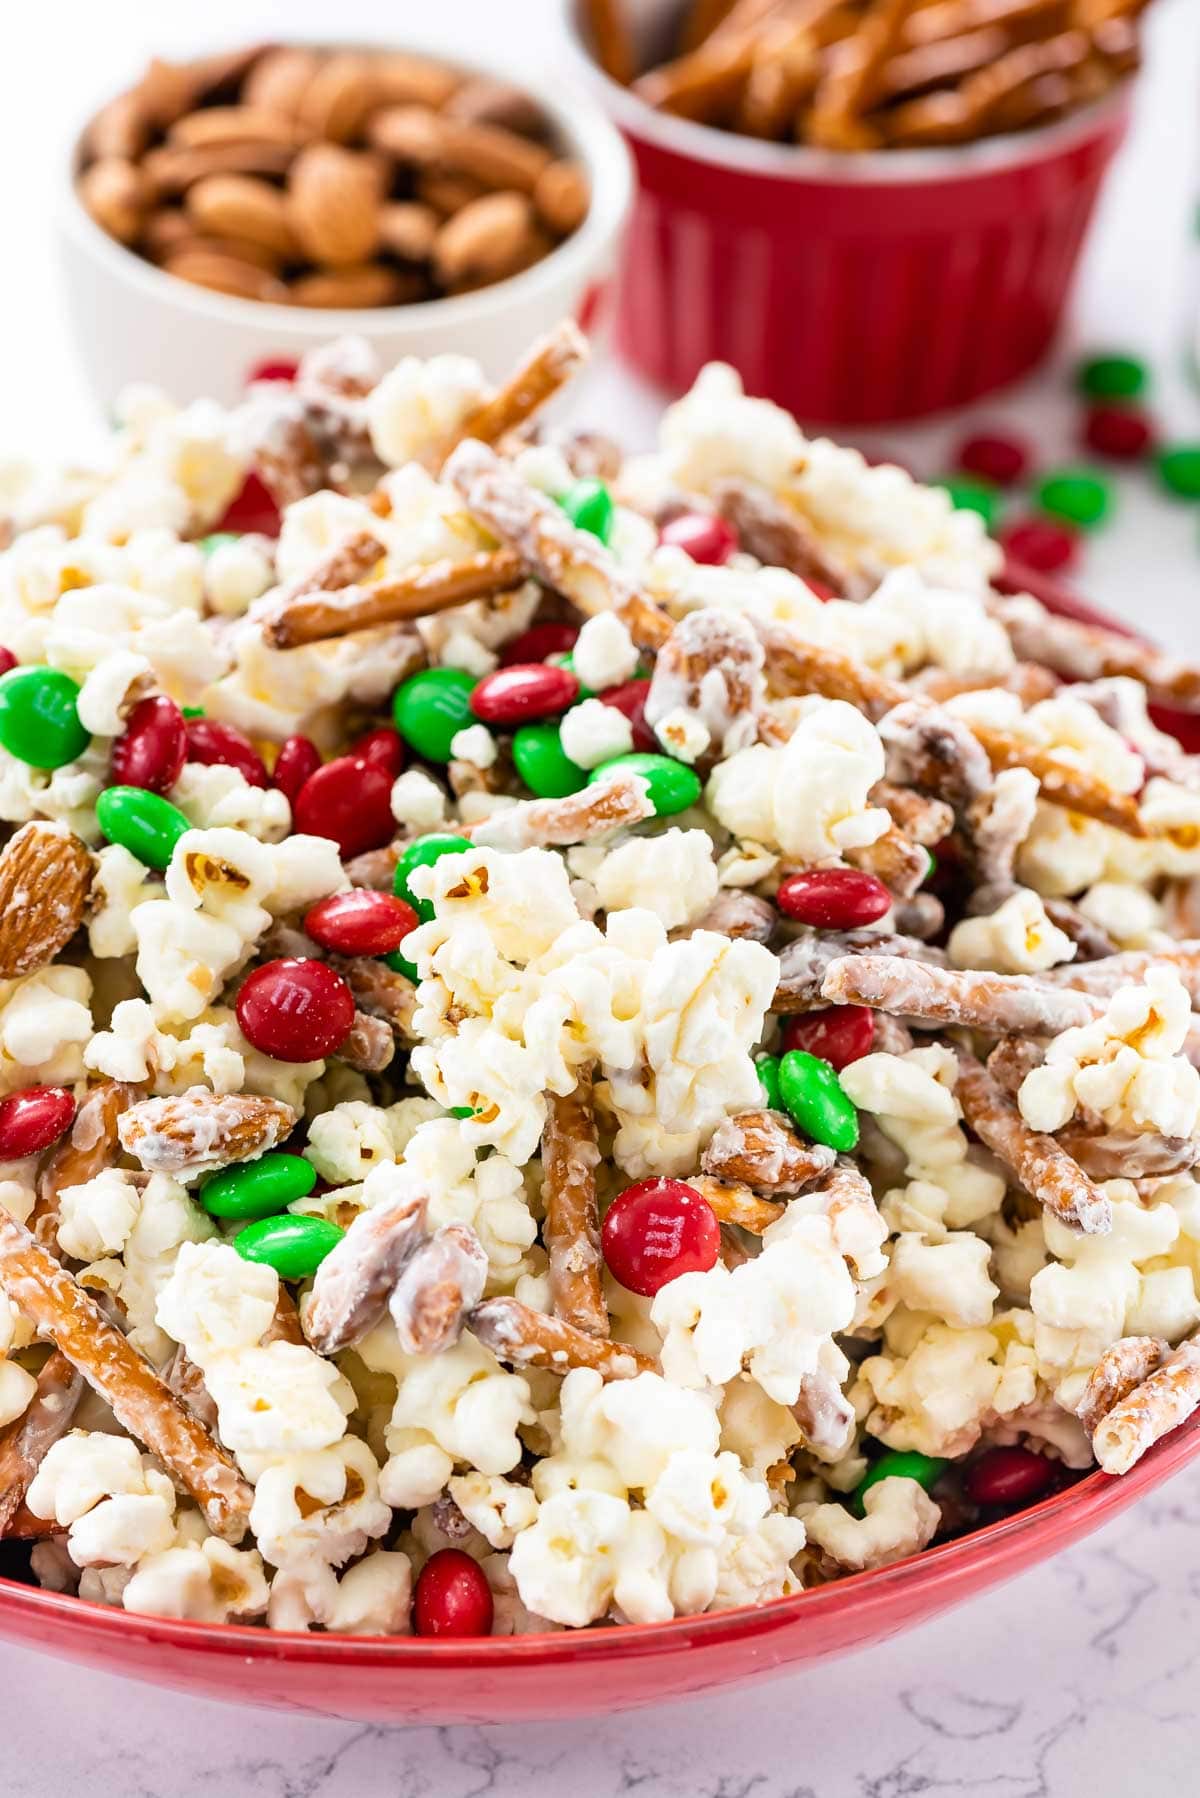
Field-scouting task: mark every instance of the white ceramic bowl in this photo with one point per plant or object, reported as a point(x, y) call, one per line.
point(132, 322)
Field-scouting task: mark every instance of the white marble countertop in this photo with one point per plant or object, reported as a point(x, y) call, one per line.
point(1080, 1676)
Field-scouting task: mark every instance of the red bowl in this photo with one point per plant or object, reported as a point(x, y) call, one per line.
point(852, 289)
point(582, 1673)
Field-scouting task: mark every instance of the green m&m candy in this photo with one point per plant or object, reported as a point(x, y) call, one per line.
point(142, 822)
point(588, 504)
point(816, 1099)
point(294, 1246)
point(673, 785)
point(897, 1465)
point(400, 965)
point(217, 540)
point(1073, 494)
point(430, 708)
point(767, 1069)
point(974, 496)
point(1178, 467)
point(261, 1188)
point(1111, 377)
point(422, 852)
point(39, 717)
point(543, 764)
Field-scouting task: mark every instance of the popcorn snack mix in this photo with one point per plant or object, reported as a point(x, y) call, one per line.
point(582, 1039)
point(343, 178)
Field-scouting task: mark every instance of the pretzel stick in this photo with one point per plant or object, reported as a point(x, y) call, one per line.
point(758, 1148)
point(88, 1148)
point(1027, 680)
point(850, 86)
point(1044, 1169)
point(439, 1285)
point(59, 1309)
point(571, 1232)
point(526, 1338)
point(1120, 1368)
point(1013, 1058)
point(1128, 1154)
point(352, 1285)
point(612, 804)
point(1105, 977)
point(703, 18)
point(1163, 1400)
point(345, 563)
point(551, 363)
point(733, 1202)
point(997, 1004)
point(926, 821)
point(1018, 18)
point(415, 593)
point(608, 30)
point(28, 1439)
point(804, 963)
point(991, 99)
point(571, 561)
point(1060, 783)
point(704, 83)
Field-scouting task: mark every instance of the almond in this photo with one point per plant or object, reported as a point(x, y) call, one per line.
point(407, 230)
point(166, 91)
point(237, 249)
point(172, 171)
point(447, 194)
point(368, 284)
point(122, 128)
point(278, 80)
point(403, 80)
point(117, 195)
point(334, 205)
point(562, 196)
point(197, 1130)
point(485, 241)
point(216, 125)
point(225, 274)
point(483, 101)
point(337, 100)
point(168, 228)
point(242, 206)
point(497, 157)
point(45, 878)
point(409, 133)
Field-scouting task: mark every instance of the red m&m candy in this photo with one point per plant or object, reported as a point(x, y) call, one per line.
point(994, 456)
point(655, 1231)
point(350, 801)
point(298, 759)
point(360, 922)
point(31, 1120)
point(1041, 544)
point(630, 698)
point(1122, 433)
point(701, 535)
point(1008, 1476)
point(151, 750)
point(452, 1597)
point(833, 898)
point(7, 660)
point(839, 1035)
point(213, 743)
point(384, 746)
point(538, 642)
point(524, 691)
point(295, 1010)
point(252, 509)
point(273, 368)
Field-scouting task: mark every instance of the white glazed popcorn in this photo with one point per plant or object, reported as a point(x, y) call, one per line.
point(593, 732)
point(683, 735)
point(604, 654)
point(672, 875)
point(475, 744)
point(97, 1218)
point(45, 1023)
point(419, 404)
point(205, 1582)
point(418, 801)
point(17, 1387)
point(1017, 938)
point(900, 1520)
point(237, 573)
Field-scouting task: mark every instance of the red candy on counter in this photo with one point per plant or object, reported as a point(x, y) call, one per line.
point(223, 744)
point(994, 456)
point(538, 642)
point(1041, 544)
point(348, 800)
point(524, 692)
point(383, 746)
point(360, 922)
point(32, 1119)
point(701, 535)
point(656, 1230)
point(273, 368)
point(839, 1035)
point(1122, 433)
point(833, 898)
point(1011, 1477)
point(253, 509)
point(297, 761)
point(295, 1009)
point(151, 750)
point(630, 698)
point(452, 1597)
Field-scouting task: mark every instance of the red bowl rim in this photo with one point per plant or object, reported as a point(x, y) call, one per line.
point(798, 162)
point(1096, 1496)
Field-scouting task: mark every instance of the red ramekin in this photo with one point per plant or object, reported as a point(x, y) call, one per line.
point(852, 289)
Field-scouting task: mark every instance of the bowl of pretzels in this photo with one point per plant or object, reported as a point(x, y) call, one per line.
point(226, 213)
point(872, 208)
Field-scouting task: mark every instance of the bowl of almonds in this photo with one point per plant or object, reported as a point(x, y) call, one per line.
point(231, 211)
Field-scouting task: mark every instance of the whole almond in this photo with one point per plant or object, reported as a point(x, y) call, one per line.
point(224, 69)
point(482, 101)
point(171, 171)
point(278, 80)
point(237, 249)
point(485, 241)
point(407, 230)
point(225, 274)
point(333, 203)
point(243, 206)
point(337, 100)
point(370, 284)
point(409, 133)
point(447, 194)
point(214, 125)
point(497, 157)
point(122, 128)
point(117, 195)
point(562, 196)
point(404, 80)
point(197, 1129)
point(165, 230)
point(45, 878)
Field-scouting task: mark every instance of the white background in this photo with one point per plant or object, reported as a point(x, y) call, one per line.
point(1079, 1678)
